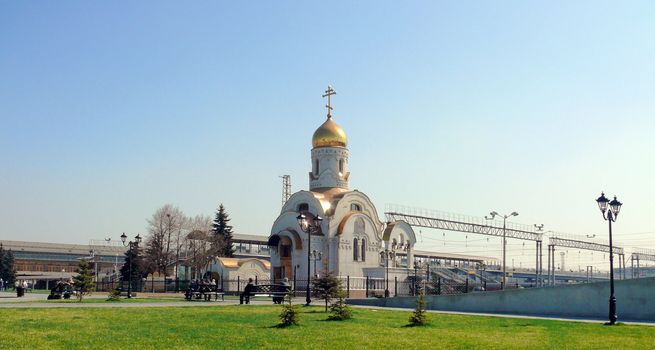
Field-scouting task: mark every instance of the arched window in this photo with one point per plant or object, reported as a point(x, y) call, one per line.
point(285, 247)
point(363, 249)
point(316, 169)
point(303, 207)
point(355, 250)
point(341, 166)
point(355, 207)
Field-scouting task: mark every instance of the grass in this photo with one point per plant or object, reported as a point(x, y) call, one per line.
point(104, 300)
point(254, 327)
point(171, 299)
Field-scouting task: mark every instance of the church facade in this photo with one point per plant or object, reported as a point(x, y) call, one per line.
point(351, 236)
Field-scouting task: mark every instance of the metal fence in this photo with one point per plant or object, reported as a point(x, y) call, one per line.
point(355, 287)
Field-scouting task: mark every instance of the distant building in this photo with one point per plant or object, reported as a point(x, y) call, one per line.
point(235, 269)
point(42, 262)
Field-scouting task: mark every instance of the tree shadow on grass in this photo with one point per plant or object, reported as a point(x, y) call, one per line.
point(281, 326)
point(313, 312)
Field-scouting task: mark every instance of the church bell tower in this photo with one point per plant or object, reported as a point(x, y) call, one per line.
point(329, 154)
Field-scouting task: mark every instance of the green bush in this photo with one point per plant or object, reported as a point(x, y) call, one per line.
point(289, 314)
point(340, 310)
point(114, 295)
point(419, 316)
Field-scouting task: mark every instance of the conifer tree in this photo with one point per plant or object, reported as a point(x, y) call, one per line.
point(137, 266)
point(326, 287)
point(419, 316)
point(289, 314)
point(7, 268)
point(222, 234)
point(340, 310)
point(83, 280)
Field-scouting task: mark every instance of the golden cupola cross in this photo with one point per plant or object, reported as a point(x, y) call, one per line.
point(328, 93)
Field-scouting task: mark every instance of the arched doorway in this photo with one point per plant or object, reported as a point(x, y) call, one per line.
point(286, 264)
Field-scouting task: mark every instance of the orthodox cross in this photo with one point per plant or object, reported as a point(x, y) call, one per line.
point(328, 93)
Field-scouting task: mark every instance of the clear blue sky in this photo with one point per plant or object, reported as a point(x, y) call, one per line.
point(112, 109)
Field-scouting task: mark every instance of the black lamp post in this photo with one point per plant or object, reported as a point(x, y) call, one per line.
point(493, 215)
point(417, 265)
point(612, 213)
point(309, 228)
point(131, 244)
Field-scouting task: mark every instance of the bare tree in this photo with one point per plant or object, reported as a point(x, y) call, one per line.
point(198, 243)
point(161, 228)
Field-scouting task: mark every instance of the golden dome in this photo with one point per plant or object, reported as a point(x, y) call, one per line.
point(329, 134)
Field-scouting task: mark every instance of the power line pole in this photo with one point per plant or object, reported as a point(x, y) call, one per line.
point(286, 188)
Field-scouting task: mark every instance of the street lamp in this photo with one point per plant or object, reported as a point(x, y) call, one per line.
point(493, 215)
point(131, 244)
point(316, 255)
point(387, 255)
point(417, 265)
point(612, 213)
point(309, 228)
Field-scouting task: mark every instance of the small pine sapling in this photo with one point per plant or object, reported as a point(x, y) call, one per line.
point(326, 287)
point(340, 310)
point(289, 314)
point(114, 295)
point(83, 281)
point(419, 316)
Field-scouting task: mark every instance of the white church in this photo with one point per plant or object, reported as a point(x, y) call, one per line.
point(351, 237)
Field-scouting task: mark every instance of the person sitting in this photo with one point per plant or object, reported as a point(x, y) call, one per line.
point(286, 288)
point(247, 291)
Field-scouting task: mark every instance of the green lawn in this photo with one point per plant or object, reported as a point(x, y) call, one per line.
point(254, 327)
point(104, 300)
point(171, 299)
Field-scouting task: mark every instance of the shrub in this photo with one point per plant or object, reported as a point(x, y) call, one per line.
point(114, 295)
point(340, 310)
point(419, 316)
point(289, 314)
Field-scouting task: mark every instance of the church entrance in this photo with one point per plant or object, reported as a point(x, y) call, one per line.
point(286, 264)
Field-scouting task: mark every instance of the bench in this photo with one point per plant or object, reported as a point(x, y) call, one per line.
point(203, 293)
point(62, 290)
point(275, 291)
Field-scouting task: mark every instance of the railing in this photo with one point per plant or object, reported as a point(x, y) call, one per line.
point(440, 281)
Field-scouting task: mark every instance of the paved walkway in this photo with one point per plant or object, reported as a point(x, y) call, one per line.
point(35, 300)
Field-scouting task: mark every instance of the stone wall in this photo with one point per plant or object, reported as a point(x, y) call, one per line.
point(635, 301)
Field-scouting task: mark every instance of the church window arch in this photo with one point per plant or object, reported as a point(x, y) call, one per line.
point(355, 250)
point(303, 207)
point(341, 166)
point(316, 168)
point(285, 247)
point(355, 207)
point(363, 249)
point(360, 226)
